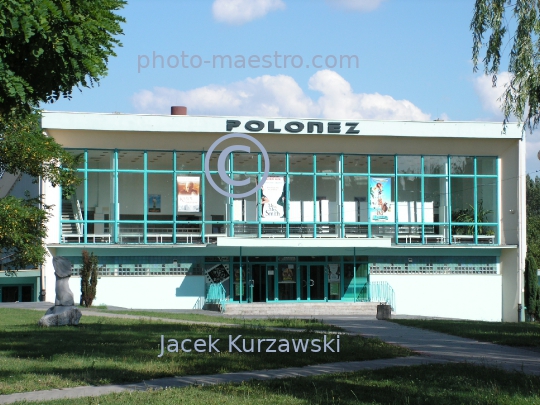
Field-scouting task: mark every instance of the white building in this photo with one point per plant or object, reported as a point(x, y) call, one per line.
point(431, 213)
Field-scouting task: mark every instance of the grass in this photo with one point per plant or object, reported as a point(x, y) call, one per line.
point(503, 333)
point(292, 323)
point(111, 350)
point(446, 384)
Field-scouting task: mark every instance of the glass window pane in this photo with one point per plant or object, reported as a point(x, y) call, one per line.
point(301, 204)
point(355, 164)
point(435, 199)
point(100, 159)
point(160, 161)
point(486, 165)
point(76, 152)
point(277, 162)
point(381, 200)
point(382, 164)
point(486, 199)
point(192, 161)
point(435, 164)
point(246, 162)
point(355, 208)
point(462, 197)
point(160, 197)
point(215, 207)
point(130, 160)
point(327, 163)
point(409, 208)
point(328, 197)
point(462, 164)
point(301, 163)
point(130, 196)
point(409, 164)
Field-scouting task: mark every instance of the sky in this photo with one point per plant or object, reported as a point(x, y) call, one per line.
point(339, 59)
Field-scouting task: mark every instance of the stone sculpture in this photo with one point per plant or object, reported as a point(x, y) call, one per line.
point(64, 311)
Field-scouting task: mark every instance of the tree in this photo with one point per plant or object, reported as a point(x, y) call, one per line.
point(47, 47)
point(521, 97)
point(89, 278)
point(532, 293)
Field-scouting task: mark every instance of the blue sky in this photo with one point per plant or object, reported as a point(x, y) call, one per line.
point(410, 59)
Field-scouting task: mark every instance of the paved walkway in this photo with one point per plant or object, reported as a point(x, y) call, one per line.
point(434, 347)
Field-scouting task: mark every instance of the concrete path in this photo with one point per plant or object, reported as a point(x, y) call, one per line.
point(179, 382)
point(441, 346)
point(433, 346)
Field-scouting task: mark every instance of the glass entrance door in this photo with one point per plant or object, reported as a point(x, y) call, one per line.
point(258, 275)
point(313, 283)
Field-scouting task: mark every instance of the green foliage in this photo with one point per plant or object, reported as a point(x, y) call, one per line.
point(467, 216)
point(49, 46)
point(522, 96)
point(22, 226)
point(89, 278)
point(533, 218)
point(46, 48)
point(24, 148)
point(532, 293)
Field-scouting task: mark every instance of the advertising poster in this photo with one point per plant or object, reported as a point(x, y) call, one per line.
point(380, 206)
point(187, 189)
point(273, 200)
point(154, 202)
point(217, 273)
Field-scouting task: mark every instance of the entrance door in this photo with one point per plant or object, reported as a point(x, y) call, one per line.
point(258, 275)
point(10, 294)
point(312, 282)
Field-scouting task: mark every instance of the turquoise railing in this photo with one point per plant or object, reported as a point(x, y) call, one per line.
point(216, 295)
point(378, 291)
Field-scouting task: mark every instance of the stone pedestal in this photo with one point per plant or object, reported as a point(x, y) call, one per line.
point(384, 312)
point(61, 315)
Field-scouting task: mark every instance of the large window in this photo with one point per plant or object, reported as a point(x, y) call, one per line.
point(141, 197)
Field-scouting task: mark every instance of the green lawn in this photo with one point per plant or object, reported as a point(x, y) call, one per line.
point(447, 384)
point(503, 333)
point(112, 350)
point(311, 323)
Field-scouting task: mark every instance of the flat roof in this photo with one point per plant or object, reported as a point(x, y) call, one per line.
point(55, 120)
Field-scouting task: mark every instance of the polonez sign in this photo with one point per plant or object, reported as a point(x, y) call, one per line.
point(294, 127)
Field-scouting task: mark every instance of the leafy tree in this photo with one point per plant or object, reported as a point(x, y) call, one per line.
point(89, 278)
point(522, 96)
point(533, 217)
point(532, 293)
point(47, 47)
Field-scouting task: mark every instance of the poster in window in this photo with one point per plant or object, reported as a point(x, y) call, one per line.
point(187, 189)
point(333, 273)
point(273, 199)
point(154, 202)
point(381, 206)
point(217, 273)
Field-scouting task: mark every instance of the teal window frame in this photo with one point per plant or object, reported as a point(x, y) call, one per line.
point(114, 222)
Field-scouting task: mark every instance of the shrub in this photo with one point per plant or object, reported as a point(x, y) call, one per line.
point(89, 278)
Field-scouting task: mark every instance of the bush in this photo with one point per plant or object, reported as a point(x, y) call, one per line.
point(89, 278)
point(532, 292)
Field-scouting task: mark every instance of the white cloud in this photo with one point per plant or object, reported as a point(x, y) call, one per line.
point(489, 95)
point(239, 12)
point(356, 5)
point(280, 96)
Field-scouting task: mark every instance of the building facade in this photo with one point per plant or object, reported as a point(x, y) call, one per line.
point(432, 210)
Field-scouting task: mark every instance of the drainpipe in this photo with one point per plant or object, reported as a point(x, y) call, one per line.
point(522, 252)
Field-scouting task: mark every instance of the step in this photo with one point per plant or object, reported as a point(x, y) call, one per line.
point(305, 308)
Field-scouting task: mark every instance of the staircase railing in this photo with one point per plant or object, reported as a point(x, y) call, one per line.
point(378, 291)
point(77, 213)
point(216, 295)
